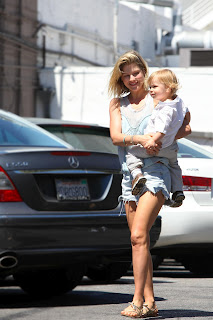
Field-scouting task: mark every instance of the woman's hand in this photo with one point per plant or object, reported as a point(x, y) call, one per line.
point(185, 129)
point(150, 144)
point(152, 148)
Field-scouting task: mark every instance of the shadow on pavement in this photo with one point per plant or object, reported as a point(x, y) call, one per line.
point(11, 296)
point(180, 314)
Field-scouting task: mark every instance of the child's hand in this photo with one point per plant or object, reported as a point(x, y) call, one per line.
point(150, 144)
point(151, 152)
point(152, 148)
point(146, 141)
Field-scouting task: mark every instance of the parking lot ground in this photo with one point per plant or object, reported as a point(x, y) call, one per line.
point(179, 295)
point(182, 295)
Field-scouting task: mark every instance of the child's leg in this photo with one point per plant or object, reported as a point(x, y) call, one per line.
point(177, 184)
point(138, 183)
point(176, 174)
point(135, 165)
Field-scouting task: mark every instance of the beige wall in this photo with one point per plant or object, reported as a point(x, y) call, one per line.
point(80, 94)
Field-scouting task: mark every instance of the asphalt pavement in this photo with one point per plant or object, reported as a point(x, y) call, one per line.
point(179, 295)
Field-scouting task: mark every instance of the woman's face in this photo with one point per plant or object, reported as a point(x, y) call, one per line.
point(133, 77)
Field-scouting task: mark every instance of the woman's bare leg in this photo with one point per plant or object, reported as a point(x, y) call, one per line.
point(130, 208)
point(149, 297)
point(148, 208)
point(140, 222)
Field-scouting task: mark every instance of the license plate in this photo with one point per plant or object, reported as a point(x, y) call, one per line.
point(72, 189)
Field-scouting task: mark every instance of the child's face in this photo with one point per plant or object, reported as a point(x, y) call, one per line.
point(159, 91)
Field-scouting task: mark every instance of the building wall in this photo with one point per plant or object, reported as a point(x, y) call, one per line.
point(80, 94)
point(18, 74)
point(84, 32)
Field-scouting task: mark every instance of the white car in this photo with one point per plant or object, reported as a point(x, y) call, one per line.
point(187, 231)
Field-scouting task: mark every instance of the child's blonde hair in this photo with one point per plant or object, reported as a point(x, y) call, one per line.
point(116, 86)
point(168, 78)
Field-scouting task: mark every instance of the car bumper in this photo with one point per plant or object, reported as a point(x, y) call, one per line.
point(46, 239)
point(187, 225)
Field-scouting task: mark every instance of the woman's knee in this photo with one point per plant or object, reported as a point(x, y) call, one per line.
point(139, 239)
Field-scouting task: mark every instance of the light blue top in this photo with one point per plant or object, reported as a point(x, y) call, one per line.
point(133, 123)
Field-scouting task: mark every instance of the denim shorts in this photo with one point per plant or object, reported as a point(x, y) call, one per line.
point(158, 179)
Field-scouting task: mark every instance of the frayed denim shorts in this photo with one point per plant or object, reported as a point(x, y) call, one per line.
point(158, 179)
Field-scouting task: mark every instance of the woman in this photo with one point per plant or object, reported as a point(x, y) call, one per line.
point(129, 114)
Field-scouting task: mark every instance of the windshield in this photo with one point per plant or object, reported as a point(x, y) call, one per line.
point(189, 149)
point(15, 131)
point(83, 137)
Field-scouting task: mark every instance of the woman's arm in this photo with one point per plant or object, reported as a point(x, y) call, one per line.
point(118, 138)
point(185, 129)
point(115, 123)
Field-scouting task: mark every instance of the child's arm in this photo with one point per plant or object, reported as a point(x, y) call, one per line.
point(161, 124)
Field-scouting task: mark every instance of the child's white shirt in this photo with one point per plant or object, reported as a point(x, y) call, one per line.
point(167, 117)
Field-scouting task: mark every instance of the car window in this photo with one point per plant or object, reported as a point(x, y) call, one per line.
point(83, 137)
point(189, 149)
point(17, 132)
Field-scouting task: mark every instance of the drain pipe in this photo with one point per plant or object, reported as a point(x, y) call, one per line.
point(115, 29)
point(177, 17)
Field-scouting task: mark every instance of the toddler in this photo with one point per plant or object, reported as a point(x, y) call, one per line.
point(164, 123)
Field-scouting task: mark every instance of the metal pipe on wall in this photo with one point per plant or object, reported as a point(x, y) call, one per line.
point(115, 29)
point(193, 39)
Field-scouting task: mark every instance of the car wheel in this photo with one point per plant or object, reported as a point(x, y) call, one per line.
point(156, 261)
point(107, 272)
point(199, 264)
point(46, 283)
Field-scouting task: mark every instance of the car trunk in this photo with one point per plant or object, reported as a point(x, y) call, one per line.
point(197, 177)
point(65, 180)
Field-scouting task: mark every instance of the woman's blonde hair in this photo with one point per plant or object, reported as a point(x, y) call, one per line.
point(167, 77)
point(116, 85)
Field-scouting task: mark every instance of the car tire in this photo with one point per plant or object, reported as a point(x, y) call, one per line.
point(199, 264)
point(47, 283)
point(107, 272)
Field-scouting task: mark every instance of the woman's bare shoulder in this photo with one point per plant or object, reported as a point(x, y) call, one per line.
point(114, 104)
